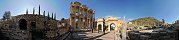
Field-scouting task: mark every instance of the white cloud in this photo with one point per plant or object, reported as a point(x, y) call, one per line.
point(15, 14)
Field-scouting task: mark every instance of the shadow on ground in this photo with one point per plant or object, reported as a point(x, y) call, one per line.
point(82, 35)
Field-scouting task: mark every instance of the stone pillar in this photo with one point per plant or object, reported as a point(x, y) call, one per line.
point(88, 23)
point(34, 10)
point(85, 26)
point(109, 27)
point(39, 9)
point(72, 21)
point(27, 11)
point(81, 23)
point(102, 27)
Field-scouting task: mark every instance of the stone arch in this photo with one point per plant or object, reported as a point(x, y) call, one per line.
point(23, 24)
point(112, 26)
point(33, 24)
point(99, 27)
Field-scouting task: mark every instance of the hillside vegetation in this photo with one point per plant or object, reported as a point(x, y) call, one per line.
point(147, 21)
point(141, 22)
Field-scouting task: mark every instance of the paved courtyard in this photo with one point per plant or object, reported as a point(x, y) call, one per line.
point(93, 36)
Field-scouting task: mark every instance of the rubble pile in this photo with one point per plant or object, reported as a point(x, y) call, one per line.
point(153, 35)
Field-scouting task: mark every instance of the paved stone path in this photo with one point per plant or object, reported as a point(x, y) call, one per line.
point(93, 36)
point(109, 36)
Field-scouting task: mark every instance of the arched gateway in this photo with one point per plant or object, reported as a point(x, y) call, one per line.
point(110, 23)
point(23, 24)
point(112, 26)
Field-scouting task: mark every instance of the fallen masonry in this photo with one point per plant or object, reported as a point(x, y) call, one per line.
point(136, 35)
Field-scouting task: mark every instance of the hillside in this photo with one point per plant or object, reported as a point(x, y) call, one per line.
point(147, 21)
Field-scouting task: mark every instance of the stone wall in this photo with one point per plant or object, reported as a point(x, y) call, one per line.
point(153, 36)
point(41, 30)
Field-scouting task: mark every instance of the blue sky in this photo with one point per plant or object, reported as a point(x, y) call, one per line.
point(132, 9)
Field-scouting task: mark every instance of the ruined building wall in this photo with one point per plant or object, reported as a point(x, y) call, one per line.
point(34, 24)
point(81, 17)
point(153, 36)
